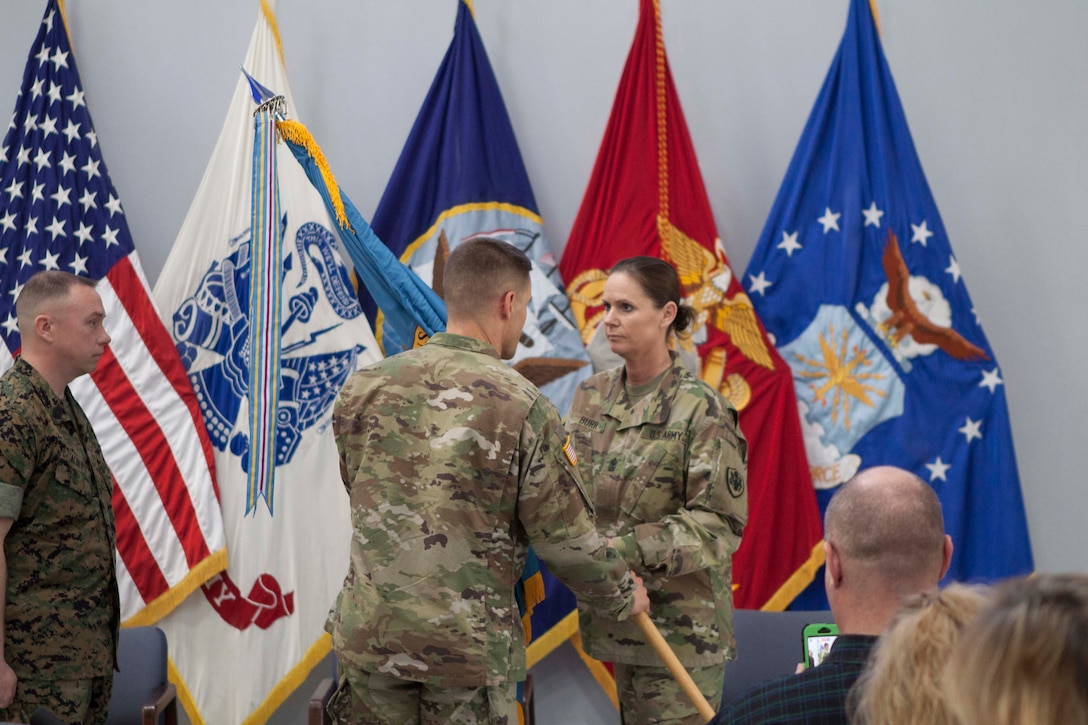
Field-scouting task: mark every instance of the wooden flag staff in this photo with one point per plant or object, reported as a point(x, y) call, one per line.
point(649, 630)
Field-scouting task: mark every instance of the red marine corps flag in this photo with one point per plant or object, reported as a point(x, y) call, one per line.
point(646, 196)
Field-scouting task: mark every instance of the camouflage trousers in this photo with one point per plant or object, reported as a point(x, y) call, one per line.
point(369, 698)
point(73, 701)
point(652, 695)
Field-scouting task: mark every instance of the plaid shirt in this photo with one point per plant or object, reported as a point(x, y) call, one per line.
point(815, 697)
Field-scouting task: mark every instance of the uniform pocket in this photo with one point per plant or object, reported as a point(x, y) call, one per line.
point(652, 485)
point(68, 475)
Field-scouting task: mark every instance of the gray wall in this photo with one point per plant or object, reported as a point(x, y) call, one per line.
point(995, 93)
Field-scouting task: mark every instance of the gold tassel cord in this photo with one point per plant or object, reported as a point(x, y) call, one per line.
point(296, 133)
point(661, 112)
point(270, 16)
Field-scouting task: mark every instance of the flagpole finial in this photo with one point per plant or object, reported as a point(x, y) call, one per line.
point(276, 105)
point(266, 100)
point(298, 134)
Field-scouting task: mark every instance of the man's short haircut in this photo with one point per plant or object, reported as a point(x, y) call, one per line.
point(889, 520)
point(479, 270)
point(43, 288)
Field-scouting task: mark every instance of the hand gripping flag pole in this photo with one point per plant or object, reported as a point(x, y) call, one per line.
point(672, 662)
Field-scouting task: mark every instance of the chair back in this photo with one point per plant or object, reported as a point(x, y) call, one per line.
point(141, 657)
point(769, 645)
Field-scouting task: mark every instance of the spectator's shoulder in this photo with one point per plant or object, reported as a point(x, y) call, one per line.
point(787, 699)
point(760, 703)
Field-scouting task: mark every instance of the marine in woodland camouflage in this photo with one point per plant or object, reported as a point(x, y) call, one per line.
point(666, 468)
point(454, 464)
point(62, 610)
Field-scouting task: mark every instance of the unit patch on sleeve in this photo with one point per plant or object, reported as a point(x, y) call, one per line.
point(734, 481)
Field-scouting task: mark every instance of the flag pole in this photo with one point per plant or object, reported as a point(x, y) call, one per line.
point(649, 630)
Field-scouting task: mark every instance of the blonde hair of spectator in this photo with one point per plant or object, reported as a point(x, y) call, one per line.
point(901, 684)
point(1024, 660)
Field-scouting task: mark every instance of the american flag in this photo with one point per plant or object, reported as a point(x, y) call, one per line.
point(58, 210)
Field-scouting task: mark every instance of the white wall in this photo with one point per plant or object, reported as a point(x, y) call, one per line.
point(996, 93)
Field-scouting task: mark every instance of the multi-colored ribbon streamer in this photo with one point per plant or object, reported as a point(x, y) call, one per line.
point(265, 306)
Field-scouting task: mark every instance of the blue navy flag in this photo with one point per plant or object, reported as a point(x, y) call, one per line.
point(855, 278)
point(460, 175)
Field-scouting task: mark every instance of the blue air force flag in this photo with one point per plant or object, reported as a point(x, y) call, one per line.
point(855, 278)
point(240, 649)
point(460, 175)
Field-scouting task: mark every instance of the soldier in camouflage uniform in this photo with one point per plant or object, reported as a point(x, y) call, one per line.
point(61, 607)
point(665, 464)
point(454, 465)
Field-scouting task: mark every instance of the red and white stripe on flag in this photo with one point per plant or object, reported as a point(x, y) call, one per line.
point(59, 210)
point(170, 537)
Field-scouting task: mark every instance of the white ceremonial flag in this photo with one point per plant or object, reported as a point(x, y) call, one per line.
point(241, 647)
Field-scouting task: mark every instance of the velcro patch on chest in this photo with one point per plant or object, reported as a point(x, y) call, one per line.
point(592, 424)
point(662, 434)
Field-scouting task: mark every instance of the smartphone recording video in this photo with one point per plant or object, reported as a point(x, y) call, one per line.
point(818, 639)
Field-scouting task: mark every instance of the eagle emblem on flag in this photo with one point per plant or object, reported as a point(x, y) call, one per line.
point(213, 321)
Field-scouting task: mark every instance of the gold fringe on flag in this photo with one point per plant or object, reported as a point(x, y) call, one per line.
point(64, 19)
point(534, 594)
point(270, 18)
point(798, 581)
point(296, 133)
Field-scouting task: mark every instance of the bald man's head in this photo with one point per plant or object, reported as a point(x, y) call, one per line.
point(888, 522)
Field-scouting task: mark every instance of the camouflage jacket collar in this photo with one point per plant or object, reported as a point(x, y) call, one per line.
point(59, 408)
point(67, 415)
point(463, 342)
point(652, 409)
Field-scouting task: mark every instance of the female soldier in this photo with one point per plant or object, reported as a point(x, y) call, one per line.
point(665, 464)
